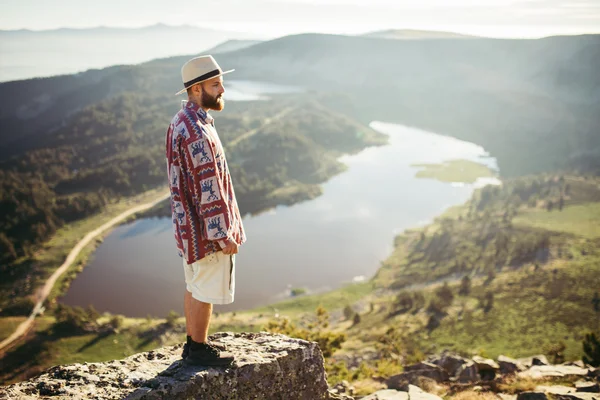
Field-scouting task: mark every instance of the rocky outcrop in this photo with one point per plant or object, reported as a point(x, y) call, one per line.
point(509, 365)
point(450, 362)
point(412, 393)
point(554, 371)
point(267, 366)
point(412, 374)
point(487, 368)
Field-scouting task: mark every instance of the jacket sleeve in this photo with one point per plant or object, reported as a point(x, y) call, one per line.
point(206, 187)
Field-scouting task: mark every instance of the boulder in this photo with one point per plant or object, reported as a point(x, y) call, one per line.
point(590, 387)
point(387, 394)
point(468, 372)
point(450, 362)
point(532, 396)
point(412, 374)
point(416, 393)
point(266, 366)
point(487, 367)
point(544, 371)
point(579, 396)
point(509, 365)
point(540, 359)
point(555, 389)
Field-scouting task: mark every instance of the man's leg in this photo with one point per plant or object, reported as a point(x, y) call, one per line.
point(200, 313)
point(187, 306)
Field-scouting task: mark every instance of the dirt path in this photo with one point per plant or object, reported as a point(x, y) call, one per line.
point(45, 291)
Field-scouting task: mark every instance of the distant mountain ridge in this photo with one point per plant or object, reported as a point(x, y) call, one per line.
point(410, 34)
point(71, 50)
point(517, 98)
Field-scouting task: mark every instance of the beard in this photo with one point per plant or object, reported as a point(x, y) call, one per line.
point(212, 103)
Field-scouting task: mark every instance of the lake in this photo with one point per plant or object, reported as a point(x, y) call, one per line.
point(322, 244)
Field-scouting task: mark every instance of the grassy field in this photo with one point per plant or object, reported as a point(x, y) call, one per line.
point(454, 171)
point(8, 325)
point(581, 219)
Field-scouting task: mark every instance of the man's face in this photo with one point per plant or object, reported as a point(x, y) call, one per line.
point(212, 94)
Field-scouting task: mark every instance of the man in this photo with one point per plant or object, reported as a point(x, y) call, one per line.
point(206, 220)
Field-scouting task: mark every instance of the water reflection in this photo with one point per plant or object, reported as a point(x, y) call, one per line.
point(318, 245)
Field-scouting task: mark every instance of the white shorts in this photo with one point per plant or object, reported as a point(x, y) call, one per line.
point(211, 279)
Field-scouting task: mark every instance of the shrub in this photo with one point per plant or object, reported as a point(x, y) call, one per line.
point(465, 286)
point(75, 319)
point(348, 312)
point(172, 318)
point(328, 341)
point(591, 350)
point(116, 322)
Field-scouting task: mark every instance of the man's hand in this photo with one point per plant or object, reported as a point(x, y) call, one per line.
point(230, 248)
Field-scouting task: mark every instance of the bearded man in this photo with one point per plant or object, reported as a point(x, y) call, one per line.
point(206, 220)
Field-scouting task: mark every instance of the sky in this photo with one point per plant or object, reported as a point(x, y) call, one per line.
point(270, 18)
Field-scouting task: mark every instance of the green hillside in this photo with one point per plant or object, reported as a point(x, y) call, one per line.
point(279, 152)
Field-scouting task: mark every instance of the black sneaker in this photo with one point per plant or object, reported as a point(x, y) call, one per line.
point(206, 354)
point(186, 347)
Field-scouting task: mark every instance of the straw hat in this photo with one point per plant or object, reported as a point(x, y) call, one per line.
point(198, 70)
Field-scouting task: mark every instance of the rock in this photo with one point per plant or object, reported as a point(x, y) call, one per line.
point(509, 365)
point(343, 388)
point(450, 362)
point(555, 389)
point(468, 372)
point(504, 396)
point(267, 366)
point(589, 387)
point(338, 396)
point(540, 359)
point(387, 394)
point(531, 396)
point(487, 367)
point(412, 374)
point(416, 393)
point(579, 396)
point(543, 371)
point(577, 363)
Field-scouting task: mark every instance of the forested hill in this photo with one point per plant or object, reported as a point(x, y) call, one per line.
point(534, 104)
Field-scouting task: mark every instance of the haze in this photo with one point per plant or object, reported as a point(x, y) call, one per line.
point(495, 18)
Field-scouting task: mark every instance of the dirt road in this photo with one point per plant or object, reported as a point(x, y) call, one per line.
point(43, 294)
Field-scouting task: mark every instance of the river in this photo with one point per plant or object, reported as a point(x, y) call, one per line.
point(340, 237)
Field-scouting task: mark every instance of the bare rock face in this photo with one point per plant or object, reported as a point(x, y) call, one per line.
point(449, 361)
point(545, 371)
point(509, 365)
point(267, 366)
point(412, 374)
point(468, 372)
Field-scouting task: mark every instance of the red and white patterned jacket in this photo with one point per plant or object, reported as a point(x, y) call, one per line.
point(203, 203)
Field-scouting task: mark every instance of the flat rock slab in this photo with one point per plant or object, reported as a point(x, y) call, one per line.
point(543, 371)
point(532, 396)
point(267, 365)
point(388, 394)
point(416, 393)
point(591, 387)
point(555, 389)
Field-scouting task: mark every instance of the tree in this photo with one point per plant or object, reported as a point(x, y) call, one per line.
point(356, 319)
point(465, 286)
point(445, 294)
point(591, 350)
point(487, 302)
point(348, 312)
point(561, 203)
point(549, 205)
